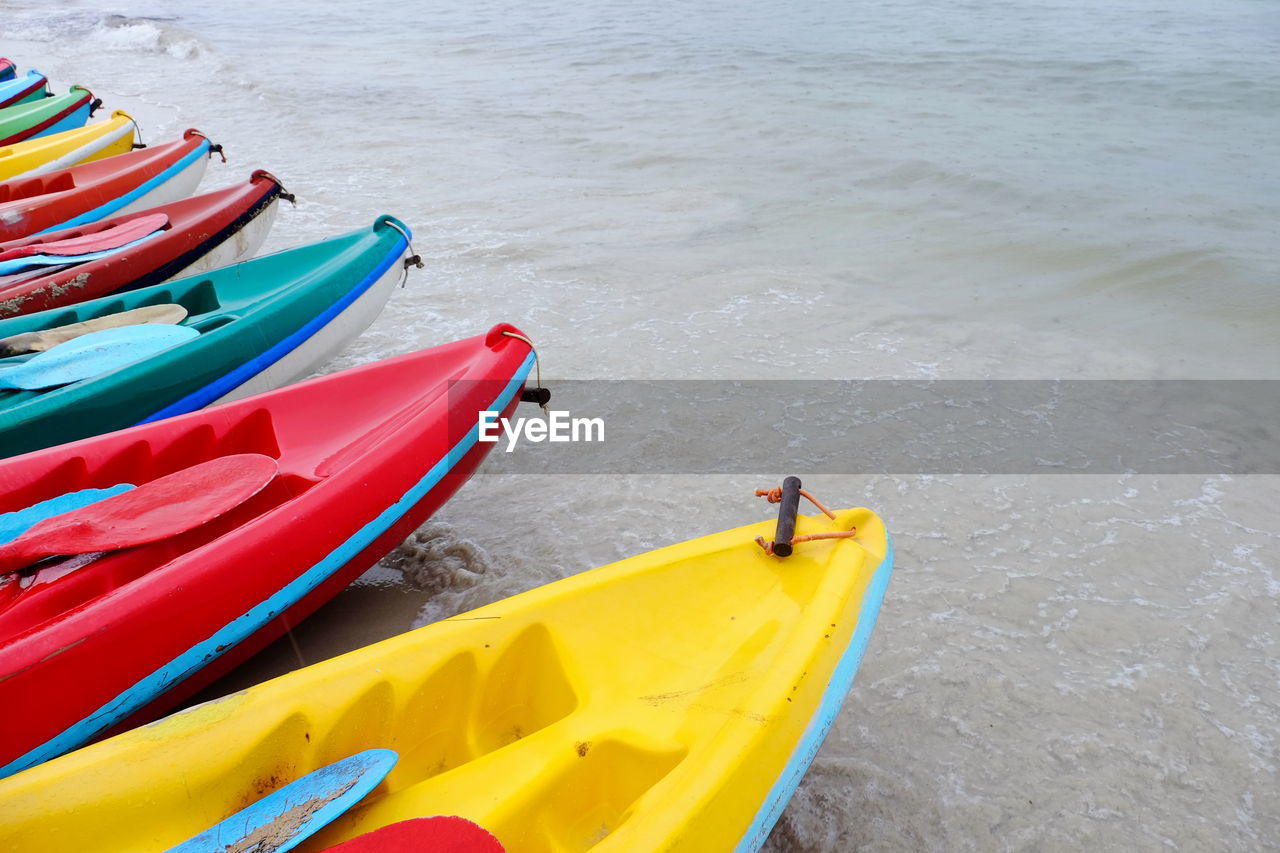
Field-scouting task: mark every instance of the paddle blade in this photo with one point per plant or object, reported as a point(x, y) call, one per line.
point(47, 339)
point(285, 818)
point(44, 262)
point(14, 524)
point(153, 511)
point(93, 355)
point(104, 240)
point(442, 834)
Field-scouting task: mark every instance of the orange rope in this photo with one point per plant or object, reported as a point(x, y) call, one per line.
point(834, 534)
point(828, 513)
point(795, 540)
point(537, 364)
point(774, 496)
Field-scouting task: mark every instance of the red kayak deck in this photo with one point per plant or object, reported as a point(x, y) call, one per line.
point(31, 205)
point(197, 226)
point(365, 456)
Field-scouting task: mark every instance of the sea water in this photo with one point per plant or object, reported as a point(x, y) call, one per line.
point(969, 189)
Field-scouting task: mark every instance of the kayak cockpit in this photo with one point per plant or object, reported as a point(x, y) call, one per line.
point(57, 586)
point(34, 187)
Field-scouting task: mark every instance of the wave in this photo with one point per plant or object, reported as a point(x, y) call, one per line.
point(147, 35)
point(437, 559)
point(117, 33)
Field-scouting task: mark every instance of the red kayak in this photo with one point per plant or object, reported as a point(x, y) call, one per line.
point(113, 186)
point(7, 69)
point(201, 233)
point(364, 457)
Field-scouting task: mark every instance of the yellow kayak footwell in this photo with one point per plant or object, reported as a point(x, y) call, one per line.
point(670, 701)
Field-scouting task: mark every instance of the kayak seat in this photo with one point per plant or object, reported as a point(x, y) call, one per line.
point(480, 714)
point(590, 794)
point(52, 591)
point(198, 297)
point(208, 324)
point(138, 462)
point(32, 187)
point(526, 690)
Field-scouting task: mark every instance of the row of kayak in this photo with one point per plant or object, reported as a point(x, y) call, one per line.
point(171, 504)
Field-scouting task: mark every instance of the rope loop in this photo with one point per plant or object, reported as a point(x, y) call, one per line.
point(811, 537)
point(137, 133)
point(774, 496)
point(537, 365)
point(414, 259)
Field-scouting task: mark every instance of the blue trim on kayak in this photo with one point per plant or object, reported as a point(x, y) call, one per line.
point(28, 89)
point(147, 689)
point(103, 211)
point(202, 397)
point(71, 121)
point(832, 698)
point(298, 810)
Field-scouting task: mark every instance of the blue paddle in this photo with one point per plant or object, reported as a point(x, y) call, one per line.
point(285, 818)
point(14, 524)
point(92, 355)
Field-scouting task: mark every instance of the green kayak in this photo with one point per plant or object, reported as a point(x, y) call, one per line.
point(263, 323)
point(46, 116)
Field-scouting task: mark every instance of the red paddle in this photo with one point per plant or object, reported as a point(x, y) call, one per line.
point(153, 511)
point(443, 834)
point(96, 241)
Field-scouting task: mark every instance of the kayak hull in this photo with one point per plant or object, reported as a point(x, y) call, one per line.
point(261, 321)
point(670, 701)
point(365, 455)
point(173, 185)
point(327, 341)
point(401, 529)
point(115, 186)
point(62, 150)
point(205, 232)
point(23, 90)
point(45, 116)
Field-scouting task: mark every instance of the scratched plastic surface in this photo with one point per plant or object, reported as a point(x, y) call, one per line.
point(284, 818)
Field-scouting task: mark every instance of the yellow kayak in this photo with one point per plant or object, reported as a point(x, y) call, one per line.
point(671, 701)
point(68, 148)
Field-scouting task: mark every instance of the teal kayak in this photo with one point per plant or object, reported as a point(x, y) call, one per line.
point(263, 323)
